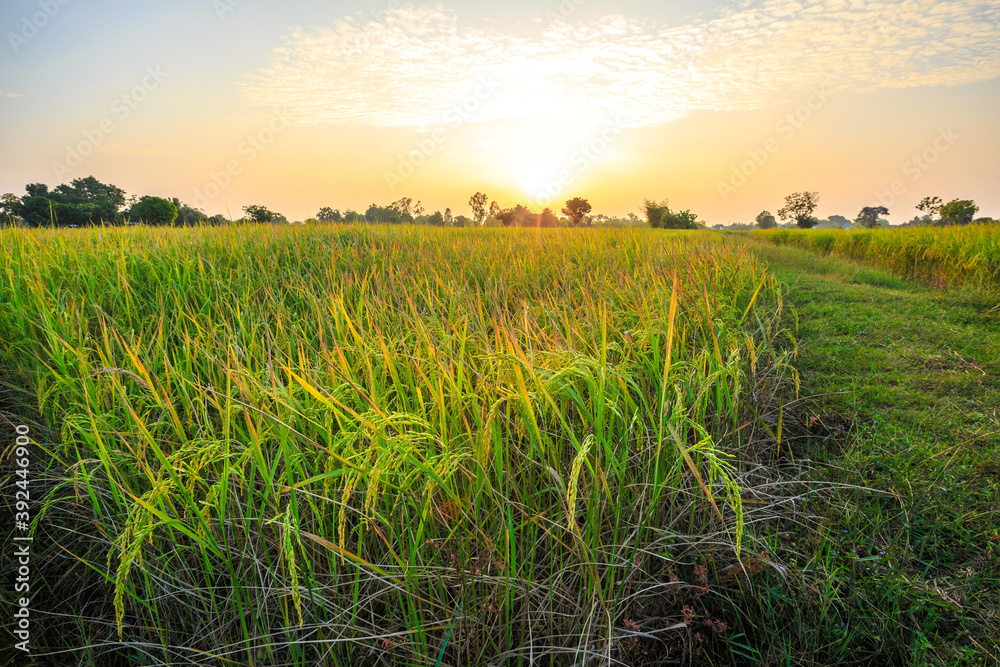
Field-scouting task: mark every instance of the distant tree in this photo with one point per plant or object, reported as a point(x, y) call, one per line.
point(959, 212)
point(765, 220)
point(395, 213)
point(633, 218)
point(219, 219)
point(930, 205)
point(577, 209)
point(84, 201)
point(869, 216)
point(10, 207)
point(547, 218)
point(154, 211)
point(187, 215)
point(478, 204)
point(448, 217)
point(495, 210)
point(258, 214)
point(462, 221)
point(436, 218)
point(327, 214)
point(799, 207)
point(353, 217)
point(839, 221)
point(513, 216)
point(659, 216)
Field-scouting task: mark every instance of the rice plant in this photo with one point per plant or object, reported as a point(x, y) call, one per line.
point(417, 446)
point(966, 255)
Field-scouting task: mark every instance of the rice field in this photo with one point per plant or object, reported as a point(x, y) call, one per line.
point(966, 255)
point(368, 445)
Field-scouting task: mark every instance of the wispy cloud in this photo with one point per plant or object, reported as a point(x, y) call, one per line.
point(4, 93)
point(414, 66)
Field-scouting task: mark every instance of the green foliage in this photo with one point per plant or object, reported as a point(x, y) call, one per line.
point(153, 211)
point(477, 203)
point(869, 216)
point(258, 214)
point(659, 216)
point(959, 212)
point(397, 213)
point(327, 214)
point(84, 202)
point(799, 206)
point(577, 209)
point(765, 220)
point(930, 205)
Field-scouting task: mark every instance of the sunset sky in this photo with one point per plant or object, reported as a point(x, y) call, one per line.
point(723, 108)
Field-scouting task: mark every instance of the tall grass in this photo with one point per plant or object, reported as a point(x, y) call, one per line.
point(282, 446)
point(963, 255)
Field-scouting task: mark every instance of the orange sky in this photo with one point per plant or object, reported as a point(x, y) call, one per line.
point(298, 106)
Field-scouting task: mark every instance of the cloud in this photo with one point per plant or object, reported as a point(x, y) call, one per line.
point(120, 149)
point(413, 66)
point(4, 93)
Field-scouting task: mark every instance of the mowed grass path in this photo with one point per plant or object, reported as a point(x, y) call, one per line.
point(905, 386)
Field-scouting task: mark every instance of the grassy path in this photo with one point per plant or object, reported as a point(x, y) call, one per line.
point(905, 387)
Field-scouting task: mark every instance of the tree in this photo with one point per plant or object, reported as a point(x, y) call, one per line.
point(869, 216)
point(353, 217)
point(577, 209)
point(327, 214)
point(659, 216)
point(478, 204)
point(187, 215)
point(462, 221)
point(765, 220)
point(83, 201)
point(10, 207)
point(495, 210)
point(154, 211)
point(930, 205)
point(258, 214)
point(448, 217)
point(958, 212)
point(799, 207)
point(436, 219)
point(547, 218)
point(513, 216)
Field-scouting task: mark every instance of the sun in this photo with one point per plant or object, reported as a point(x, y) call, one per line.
point(539, 159)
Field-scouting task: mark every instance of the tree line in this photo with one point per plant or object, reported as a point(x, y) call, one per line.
point(86, 201)
point(799, 207)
